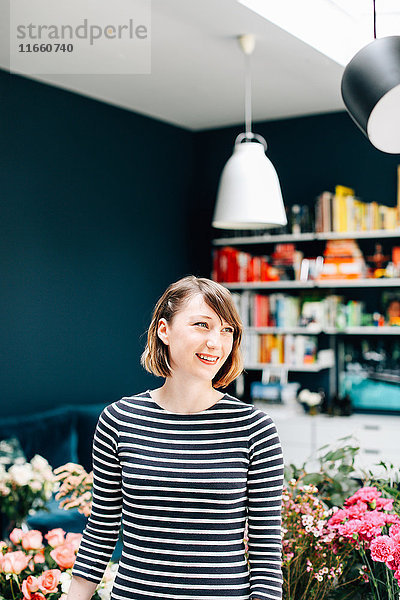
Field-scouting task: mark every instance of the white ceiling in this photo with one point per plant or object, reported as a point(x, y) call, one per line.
point(197, 72)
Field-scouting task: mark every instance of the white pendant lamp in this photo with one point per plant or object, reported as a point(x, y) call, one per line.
point(249, 194)
point(371, 91)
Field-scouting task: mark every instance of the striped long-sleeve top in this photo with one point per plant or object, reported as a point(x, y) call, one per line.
point(184, 485)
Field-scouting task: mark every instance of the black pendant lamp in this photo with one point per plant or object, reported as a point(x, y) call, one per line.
point(371, 91)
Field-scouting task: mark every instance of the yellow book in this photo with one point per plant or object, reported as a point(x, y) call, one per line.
point(342, 213)
point(375, 215)
point(398, 195)
point(342, 190)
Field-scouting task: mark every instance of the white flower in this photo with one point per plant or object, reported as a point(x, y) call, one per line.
point(4, 490)
point(36, 485)
point(39, 463)
point(21, 474)
point(307, 519)
point(105, 592)
point(65, 580)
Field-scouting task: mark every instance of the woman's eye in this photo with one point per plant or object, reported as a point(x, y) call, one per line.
point(228, 329)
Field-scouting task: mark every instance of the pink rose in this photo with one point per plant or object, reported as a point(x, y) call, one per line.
point(48, 581)
point(55, 537)
point(32, 540)
point(382, 548)
point(16, 535)
point(74, 539)
point(15, 562)
point(64, 556)
point(39, 558)
point(37, 596)
point(30, 585)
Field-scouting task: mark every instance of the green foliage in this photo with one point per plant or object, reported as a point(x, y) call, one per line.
point(335, 478)
point(388, 484)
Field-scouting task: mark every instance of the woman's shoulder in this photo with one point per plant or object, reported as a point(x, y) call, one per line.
point(255, 414)
point(125, 404)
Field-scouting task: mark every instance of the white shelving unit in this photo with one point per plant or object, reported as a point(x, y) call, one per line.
point(303, 368)
point(306, 237)
point(329, 283)
point(366, 330)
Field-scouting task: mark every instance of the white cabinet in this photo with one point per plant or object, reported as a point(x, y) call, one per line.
point(302, 435)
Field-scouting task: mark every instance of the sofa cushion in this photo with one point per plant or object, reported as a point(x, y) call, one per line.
point(86, 421)
point(52, 434)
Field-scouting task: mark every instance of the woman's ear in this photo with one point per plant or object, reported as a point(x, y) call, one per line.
point(162, 330)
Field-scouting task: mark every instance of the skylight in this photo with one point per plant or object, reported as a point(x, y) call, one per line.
point(336, 28)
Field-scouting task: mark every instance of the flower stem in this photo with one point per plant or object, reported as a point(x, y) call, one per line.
point(364, 557)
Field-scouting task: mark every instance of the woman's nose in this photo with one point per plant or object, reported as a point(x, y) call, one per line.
point(213, 340)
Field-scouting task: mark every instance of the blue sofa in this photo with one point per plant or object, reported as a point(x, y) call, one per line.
point(60, 435)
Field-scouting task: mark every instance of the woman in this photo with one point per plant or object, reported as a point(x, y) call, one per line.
point(184, 465)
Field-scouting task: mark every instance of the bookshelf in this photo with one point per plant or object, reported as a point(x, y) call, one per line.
point(330, 338)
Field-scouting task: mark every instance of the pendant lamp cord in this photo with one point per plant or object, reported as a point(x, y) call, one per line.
point(247, 97)
point(374, 20)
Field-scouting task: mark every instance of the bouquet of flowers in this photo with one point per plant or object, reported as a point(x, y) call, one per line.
point(369, 525)
point(315, 560)
point(76, 487)
point(25, 487)
point(30, 570)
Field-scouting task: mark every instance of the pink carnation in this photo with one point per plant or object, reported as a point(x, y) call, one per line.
point(347, 529)
point(394, 530)
point(384, 503)
point(382, 548)
point(365, 494)
point(357, 510)
point(337, 518)
point(392, 518)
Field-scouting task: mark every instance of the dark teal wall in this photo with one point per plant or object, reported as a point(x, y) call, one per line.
point(101, 208)
point(93, 221)
point(310, 154)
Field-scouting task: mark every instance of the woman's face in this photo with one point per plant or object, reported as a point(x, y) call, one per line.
point(198, 342)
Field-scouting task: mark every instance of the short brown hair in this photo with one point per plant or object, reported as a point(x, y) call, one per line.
point(155, 356)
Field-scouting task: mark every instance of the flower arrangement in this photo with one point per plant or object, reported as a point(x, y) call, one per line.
point(315, 560)
point(25, 488)
point(30, 570)
point(76, 487)
point(369, 525)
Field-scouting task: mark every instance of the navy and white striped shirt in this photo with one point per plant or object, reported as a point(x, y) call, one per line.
point(184, 485)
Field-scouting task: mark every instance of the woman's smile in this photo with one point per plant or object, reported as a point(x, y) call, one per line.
point(207, 358)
